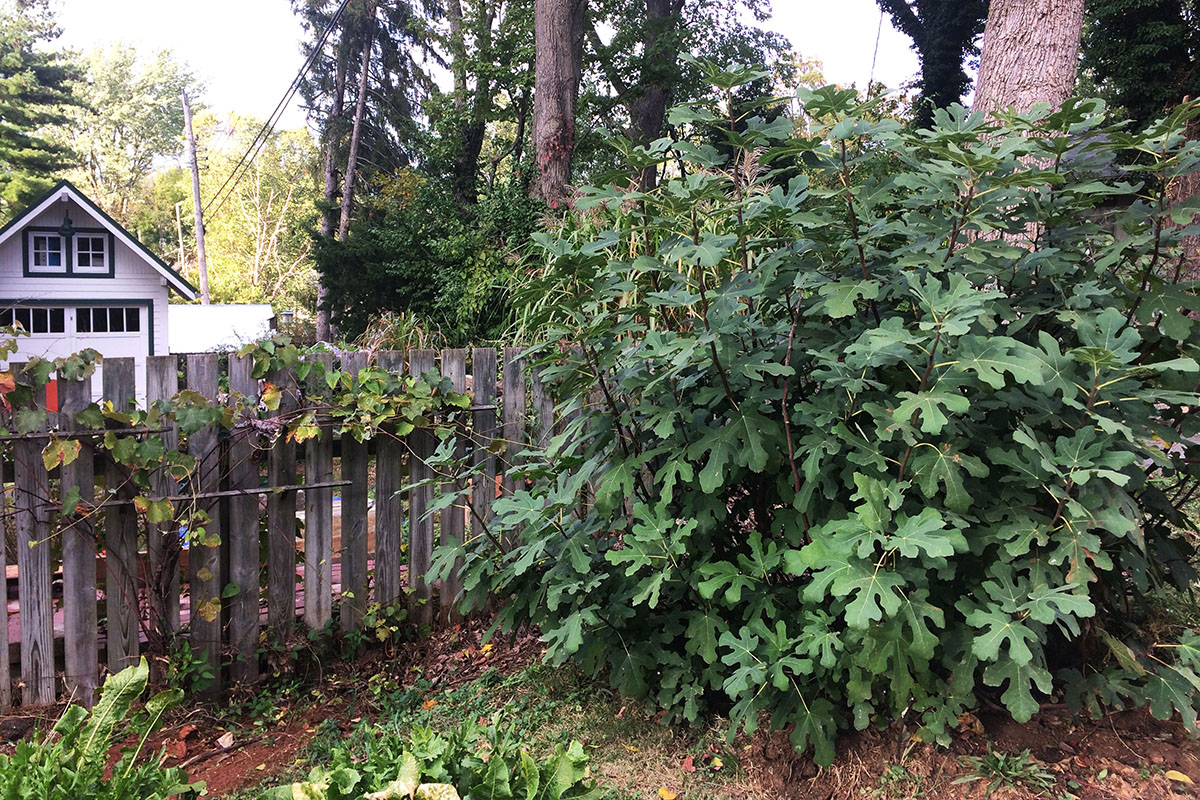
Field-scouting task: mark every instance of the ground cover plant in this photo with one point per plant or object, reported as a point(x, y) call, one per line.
point(870, 422)
point(74, 759)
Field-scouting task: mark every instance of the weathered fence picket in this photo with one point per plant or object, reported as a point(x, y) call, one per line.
point(453, 521)
point(120, 534)
point(543, 409)
point(204, 553)
point(420, 524)
point(389, 506)
point(5, 655)
point(243, 531)
point(483, 425)
point(80, 630)
point(33, 565)
point(354, 510)
point(217, 602)
point(162, 539)
point(318, 512)
point(281, 514)
point(513, 432)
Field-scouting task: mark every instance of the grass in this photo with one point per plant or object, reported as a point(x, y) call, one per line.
point(632, 755)
point(1015, 771)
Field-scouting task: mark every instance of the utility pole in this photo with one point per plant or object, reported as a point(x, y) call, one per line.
point(201, 258)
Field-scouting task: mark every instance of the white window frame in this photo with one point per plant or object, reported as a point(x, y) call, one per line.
point(33, 267)
point(105, 268)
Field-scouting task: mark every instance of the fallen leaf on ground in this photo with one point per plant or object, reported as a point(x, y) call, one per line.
point(689, 765)
point(1178, 777)
point(666, 794)
point(186, 731)
point(428, 704)
point(176, 748)
point(225, 741)
point(717, 763)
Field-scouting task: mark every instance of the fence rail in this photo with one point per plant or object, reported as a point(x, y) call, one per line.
point(94, 590)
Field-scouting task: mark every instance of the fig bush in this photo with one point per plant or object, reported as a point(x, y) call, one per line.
point(867, 423)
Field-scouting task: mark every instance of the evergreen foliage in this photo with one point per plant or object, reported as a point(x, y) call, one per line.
point(415, 249)
point(862, 444)
point(36, 87)
point(944, 33)
point(1142, 54)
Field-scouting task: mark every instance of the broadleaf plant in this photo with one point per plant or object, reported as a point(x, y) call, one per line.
point(861, 423)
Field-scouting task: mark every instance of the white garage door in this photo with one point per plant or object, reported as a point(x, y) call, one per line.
point(116, 331)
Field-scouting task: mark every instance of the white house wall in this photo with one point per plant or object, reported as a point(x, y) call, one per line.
point(133, 281)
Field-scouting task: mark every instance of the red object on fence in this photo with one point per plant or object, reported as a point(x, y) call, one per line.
point(52, 395)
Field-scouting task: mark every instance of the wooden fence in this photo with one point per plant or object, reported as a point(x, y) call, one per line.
point(93, 590)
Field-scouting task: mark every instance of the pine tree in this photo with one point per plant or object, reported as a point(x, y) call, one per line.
point(36, 84)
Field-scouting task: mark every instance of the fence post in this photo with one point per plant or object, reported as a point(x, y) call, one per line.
point(162, 539)
point(389, 505)
point(318, 512)
point(33, 565)
point(120, 534)
point(453, 519)
point(354, 516)
point(281, 514)
point(243, 529)
point(420, 525)
point(483, 424)
point(80, 636)
point(205, 556)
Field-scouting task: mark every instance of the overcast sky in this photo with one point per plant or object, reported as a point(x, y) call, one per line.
point(247, 51)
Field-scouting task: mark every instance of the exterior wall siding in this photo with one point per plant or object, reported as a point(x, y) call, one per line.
point(134, 282)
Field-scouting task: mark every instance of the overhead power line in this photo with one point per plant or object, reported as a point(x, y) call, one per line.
point(260, 139)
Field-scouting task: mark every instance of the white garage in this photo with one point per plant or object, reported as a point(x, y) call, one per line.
point(73, 278)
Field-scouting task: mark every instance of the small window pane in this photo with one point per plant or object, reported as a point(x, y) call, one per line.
point(47, 251)
point(133, 322)
point(90, 252)
point(83, 320)
point(116, 320)
point(58, 320)
point(24, 318)
point(6, 317)
point(41, 321)
point(99, 320)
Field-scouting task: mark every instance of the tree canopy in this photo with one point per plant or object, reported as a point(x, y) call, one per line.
point(37, 91)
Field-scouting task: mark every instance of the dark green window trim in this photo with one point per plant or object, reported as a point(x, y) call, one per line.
point(70, 301)
point(69, 253)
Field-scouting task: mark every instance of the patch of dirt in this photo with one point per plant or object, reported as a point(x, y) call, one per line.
point(208, 752)
point(1127, 755)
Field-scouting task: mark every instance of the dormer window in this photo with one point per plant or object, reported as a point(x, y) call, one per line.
point(46, 253)
point(91, 253)
point(68, 252)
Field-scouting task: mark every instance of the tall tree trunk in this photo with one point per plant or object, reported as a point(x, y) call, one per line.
point(558, 61)
point(660, 70)
point(1182, 190)
point(364, 80)
point(332, 132)
point(473, 114)
point(1030, 50)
